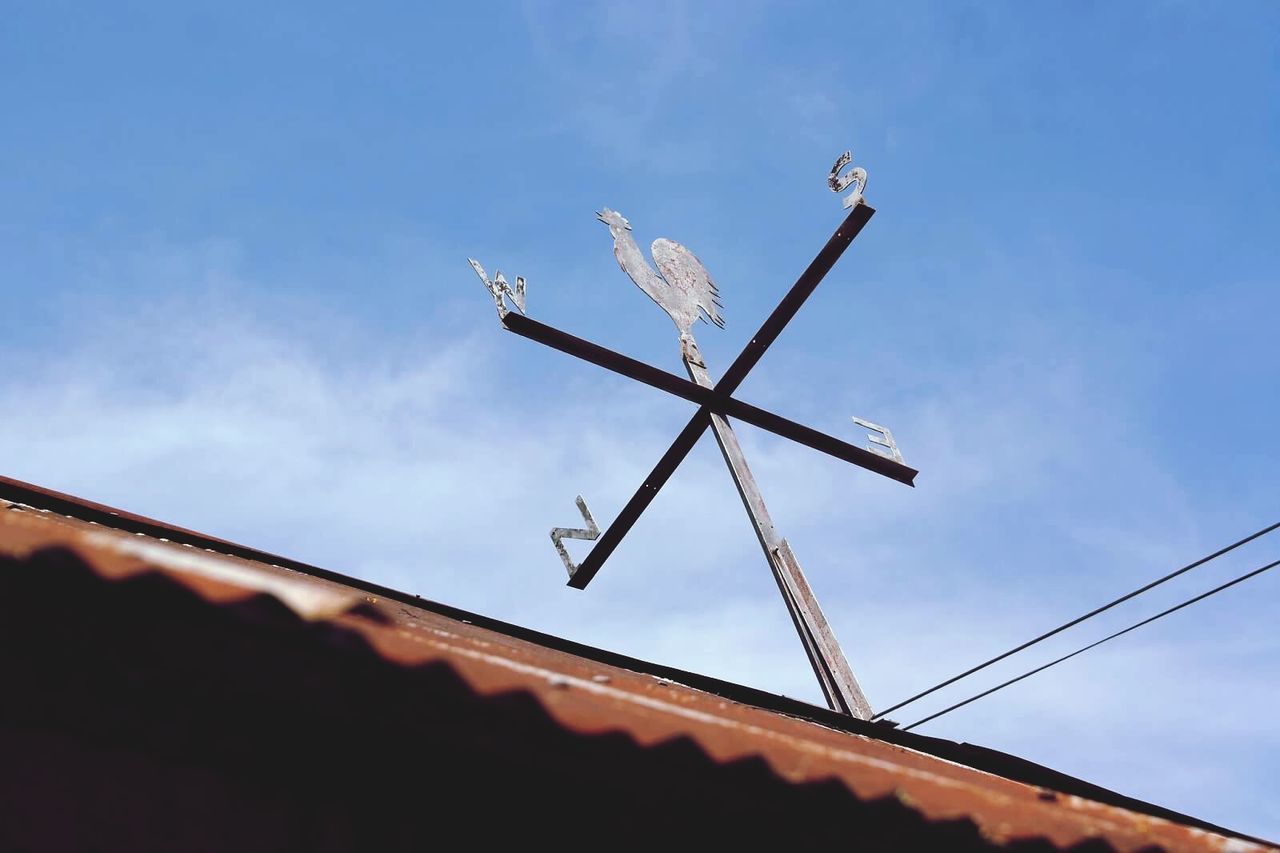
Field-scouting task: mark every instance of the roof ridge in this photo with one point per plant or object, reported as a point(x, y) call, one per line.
point(969, 755)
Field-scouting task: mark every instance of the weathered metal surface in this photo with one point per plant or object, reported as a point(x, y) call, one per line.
point(500, 290)
point(839, 183)
point(591, 533)
point(681, 286)
point(838, 683)
point(835, 667)
point(885, 439)
point(730, 406)
point(587, 698)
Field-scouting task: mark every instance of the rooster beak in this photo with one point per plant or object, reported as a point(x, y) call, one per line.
point(612, 219)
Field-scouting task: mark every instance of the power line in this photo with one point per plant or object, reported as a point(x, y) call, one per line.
point(1147, 621)
point(1029, 643)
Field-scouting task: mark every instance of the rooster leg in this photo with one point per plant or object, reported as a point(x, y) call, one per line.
point(689, 350)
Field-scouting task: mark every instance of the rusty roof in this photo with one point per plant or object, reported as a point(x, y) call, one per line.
point(50, 542)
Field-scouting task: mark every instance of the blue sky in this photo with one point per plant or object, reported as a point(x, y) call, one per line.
point(233, 246)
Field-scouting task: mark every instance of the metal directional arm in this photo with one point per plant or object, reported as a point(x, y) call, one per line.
point(640, 501)
point(795, 299)
point(680, 387)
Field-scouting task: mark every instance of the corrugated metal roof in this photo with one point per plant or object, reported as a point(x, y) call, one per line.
point(588, 695)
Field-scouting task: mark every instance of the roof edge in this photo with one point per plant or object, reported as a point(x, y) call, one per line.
point(970, 755)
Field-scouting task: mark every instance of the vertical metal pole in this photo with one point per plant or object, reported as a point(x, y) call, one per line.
point(829, 665)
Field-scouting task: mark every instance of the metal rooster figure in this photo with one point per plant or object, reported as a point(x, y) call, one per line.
point(682, 287)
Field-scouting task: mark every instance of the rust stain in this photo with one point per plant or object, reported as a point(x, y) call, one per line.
point(590, 697)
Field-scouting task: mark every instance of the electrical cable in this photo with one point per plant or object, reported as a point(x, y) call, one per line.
point(1146, 621)
point(1029, 643)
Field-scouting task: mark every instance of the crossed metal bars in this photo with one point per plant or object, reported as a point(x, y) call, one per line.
point(717, 399)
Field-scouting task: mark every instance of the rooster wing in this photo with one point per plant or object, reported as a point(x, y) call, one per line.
point(688, 278)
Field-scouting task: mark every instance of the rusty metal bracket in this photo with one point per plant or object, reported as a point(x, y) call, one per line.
point(839, 183)
point(591, 533)
point(499, 289)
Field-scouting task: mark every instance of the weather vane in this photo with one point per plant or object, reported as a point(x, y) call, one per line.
point(683, 288)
